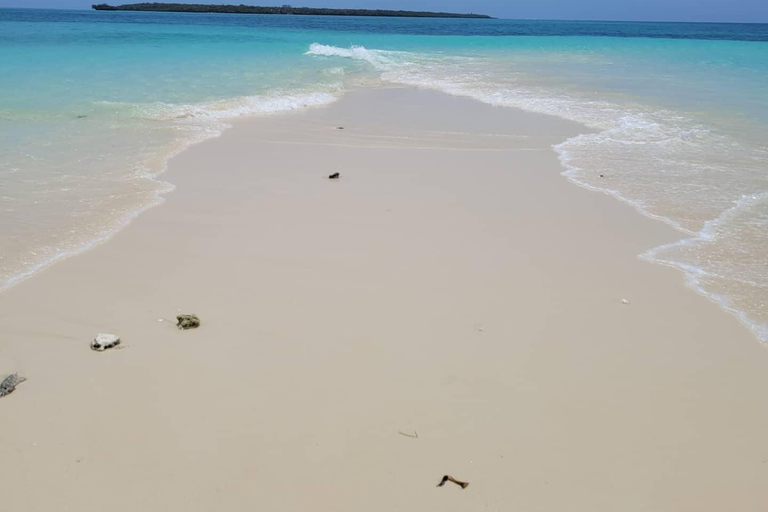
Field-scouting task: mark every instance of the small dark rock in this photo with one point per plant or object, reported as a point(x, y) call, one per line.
point(339, 127)
point(187, 322)
point(602, 175)
point(81, 117)
point(334, 176)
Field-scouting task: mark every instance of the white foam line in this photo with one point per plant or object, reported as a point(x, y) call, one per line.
point(207, 111)
point(378, 59)
point(158, 199)
point(570, 170)
point(692, 275)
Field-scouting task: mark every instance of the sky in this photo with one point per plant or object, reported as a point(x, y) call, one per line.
point(755, 11)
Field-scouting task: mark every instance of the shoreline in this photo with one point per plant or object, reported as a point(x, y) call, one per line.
point(690, 274)
point(451, 283)
point(219, 126)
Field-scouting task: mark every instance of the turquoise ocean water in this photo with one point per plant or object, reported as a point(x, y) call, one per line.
point(92, 104)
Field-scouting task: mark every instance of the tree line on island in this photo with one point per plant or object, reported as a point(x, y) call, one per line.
point(285, 9)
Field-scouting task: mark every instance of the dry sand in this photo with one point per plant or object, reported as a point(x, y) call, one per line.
point(452, 283)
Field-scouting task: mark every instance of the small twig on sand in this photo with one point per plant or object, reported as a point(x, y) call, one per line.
point(415, 434)
point(449, 478)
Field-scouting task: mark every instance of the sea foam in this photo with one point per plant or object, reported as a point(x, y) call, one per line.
point(670, 165)
point(155, 133)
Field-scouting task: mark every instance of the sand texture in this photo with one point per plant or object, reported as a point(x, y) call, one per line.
point(450, 285)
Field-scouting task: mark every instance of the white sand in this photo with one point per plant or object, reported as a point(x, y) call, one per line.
point(451, 283)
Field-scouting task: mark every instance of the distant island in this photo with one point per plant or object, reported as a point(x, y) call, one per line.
point(285, 9)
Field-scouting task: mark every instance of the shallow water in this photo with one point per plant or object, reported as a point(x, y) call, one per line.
point(92, 104)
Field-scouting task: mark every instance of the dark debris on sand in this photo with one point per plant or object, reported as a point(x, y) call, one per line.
point(9, 384)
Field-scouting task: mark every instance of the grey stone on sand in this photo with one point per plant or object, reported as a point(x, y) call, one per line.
point(104, 341)
point(185, 322)
point(10, 383)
